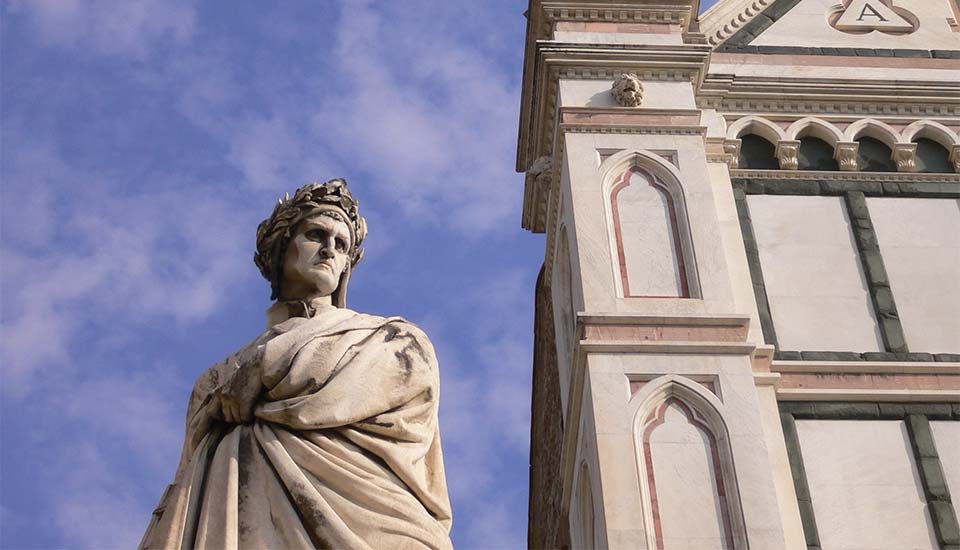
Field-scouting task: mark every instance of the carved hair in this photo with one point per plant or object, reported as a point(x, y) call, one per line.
point(331, 199)
point(627, 90)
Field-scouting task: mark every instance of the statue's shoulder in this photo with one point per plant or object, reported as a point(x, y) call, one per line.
point(368, 320)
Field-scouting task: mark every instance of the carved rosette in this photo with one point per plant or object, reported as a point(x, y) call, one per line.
point(627, 90)
point(787, 154)
point(905, 155)
point(846, 155)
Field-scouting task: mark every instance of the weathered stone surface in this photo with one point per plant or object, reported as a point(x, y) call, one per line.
point(547, 524)
point(627, 90)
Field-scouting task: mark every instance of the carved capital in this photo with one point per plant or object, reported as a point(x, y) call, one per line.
point(731, 149)
point(955, 158)
point(787, 154)
point(846, 155)
point(905, 155)
point(627, 90)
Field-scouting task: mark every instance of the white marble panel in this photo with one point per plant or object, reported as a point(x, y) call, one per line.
point(579, 37)
point(685, 477)
point(816, 288)
point(649, 239)
point(946, 435)
point(920, 243)
point(864, 485)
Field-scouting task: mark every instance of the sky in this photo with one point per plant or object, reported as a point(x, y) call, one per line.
point(141, 143)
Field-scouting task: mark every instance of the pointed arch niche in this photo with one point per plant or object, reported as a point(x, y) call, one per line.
point(687, 477)
point(649, 231)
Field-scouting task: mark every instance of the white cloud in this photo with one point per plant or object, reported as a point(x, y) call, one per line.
point(159, 253)
point(96, 508)
point(434, 115)
point(128, 28)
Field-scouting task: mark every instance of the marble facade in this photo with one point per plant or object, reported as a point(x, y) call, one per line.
point(731, 320)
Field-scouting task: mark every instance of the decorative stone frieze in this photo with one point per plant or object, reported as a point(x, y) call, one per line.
point(787, 154)
point(846, 155)
point(627, 90)
point(905, 155)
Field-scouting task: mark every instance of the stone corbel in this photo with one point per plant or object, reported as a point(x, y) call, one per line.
point(787, 154)
point(905, 155)
point(539, 179)
point(955, 158)
point(731, 150)
point(846, 155)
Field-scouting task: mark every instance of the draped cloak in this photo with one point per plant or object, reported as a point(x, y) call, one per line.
point(344, 451)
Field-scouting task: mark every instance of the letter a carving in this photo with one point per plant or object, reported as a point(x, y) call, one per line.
point(870, 12)
point(872, 15)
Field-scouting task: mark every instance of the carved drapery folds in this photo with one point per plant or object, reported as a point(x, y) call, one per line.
point(627, 90)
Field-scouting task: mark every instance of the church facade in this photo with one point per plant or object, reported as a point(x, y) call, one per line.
point(747, 329)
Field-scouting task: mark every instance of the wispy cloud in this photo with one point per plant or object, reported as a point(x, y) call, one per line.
point(131, 28)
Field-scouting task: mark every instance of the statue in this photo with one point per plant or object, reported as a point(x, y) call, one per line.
point(323, 431)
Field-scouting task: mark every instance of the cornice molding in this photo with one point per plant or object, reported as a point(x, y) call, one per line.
point(807, 175)
point(750, 95)
point(556, 61)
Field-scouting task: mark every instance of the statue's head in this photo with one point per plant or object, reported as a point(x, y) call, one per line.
point(311, 242)
point(627, 90)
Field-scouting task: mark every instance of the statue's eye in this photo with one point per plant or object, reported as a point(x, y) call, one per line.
point(341, 245)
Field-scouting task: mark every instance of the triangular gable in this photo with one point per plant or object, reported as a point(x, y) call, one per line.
point(890, 25)
point(871, 15)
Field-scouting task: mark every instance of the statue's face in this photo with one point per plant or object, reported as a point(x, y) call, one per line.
point(315, 258)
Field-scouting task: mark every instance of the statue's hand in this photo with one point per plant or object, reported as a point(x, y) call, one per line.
point(238, 396)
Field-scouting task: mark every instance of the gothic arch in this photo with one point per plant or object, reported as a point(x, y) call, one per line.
point(811, 126)
point(756, 125)
point(641, 186)
point(712, 480)
point(875, 129)
point(932, 130)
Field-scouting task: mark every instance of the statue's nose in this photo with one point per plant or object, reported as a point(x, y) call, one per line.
point(327, 249)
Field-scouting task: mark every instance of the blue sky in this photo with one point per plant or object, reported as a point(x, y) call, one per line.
point(142, 142)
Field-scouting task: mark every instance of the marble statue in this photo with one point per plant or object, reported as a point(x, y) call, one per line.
point(323, 431)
